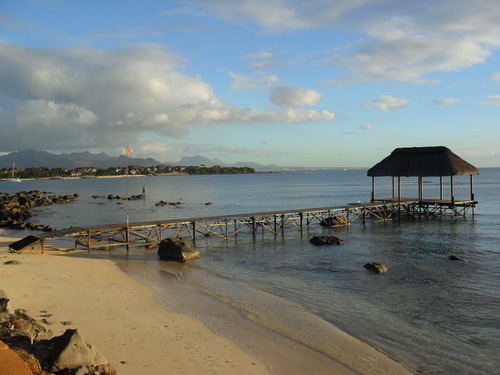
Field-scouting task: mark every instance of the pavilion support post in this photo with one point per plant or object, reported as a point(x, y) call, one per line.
point(393, 187)
point(373, 189)
point(193, 228)
point(471, 187)
point(420, 188)
point(399, 189)
point(452, 191)
point(441, 188)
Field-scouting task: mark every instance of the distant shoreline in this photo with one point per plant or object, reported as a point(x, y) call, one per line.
point(98, 177)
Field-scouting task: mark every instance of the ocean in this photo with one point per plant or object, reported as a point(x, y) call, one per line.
point(435, 315)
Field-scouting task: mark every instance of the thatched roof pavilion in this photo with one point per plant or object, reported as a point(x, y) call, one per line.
point(422, 162)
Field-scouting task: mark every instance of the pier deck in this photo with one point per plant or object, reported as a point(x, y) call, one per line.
point(151, 233)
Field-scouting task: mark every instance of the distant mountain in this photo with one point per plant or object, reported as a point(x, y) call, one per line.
point(35, 159)
point(196, 160)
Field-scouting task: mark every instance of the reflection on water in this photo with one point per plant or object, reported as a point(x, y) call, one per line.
point(441, 316)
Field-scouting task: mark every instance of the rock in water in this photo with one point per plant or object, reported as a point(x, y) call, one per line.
point(179, 249)
point(71, 351)
point(376, 267)
point(335, 221)
point(454, 257)
point(326, 240)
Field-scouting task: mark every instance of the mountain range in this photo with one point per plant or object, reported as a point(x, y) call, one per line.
point(35, 159)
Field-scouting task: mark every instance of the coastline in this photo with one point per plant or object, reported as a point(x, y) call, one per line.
point(120, 315)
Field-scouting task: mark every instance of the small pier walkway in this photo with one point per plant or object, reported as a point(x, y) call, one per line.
point(224, 227)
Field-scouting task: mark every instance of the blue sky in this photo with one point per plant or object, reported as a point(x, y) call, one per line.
point(320, 83)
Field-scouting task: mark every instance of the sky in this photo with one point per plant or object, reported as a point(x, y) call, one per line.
point(320, 83)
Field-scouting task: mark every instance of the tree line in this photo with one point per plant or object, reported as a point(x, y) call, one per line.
point(43, 172)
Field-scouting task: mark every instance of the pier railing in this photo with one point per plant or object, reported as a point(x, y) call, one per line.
point(227, 226)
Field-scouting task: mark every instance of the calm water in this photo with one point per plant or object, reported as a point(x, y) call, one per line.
point(436, 315)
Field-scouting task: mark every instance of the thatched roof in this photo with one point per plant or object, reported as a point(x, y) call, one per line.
point(422, 161)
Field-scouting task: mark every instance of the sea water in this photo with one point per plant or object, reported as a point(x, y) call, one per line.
point(436, 315)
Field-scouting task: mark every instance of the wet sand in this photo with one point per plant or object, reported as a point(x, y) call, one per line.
point(121, 316)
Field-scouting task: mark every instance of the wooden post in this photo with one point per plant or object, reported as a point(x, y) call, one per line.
point(393, 188)
point(420, 188)
point(399, 189)
point(193, 226)
point(441, 188)
point(471, 187)
point(452, 191)
point(373, 189)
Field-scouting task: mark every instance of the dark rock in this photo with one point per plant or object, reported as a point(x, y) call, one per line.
point(454, 257)
point(179, 249)
point(376, 267)
point(335, 221)
point(21, 324)
point(326, 240)
point(12, 262)
point(71, 351)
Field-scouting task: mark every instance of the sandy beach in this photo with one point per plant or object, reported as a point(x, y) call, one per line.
point(120, 317)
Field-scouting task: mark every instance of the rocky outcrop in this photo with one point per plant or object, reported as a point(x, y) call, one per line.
point(163, 203)
point(376, 267)
point(67, 354)
point(326, 240)
point(335, 221)
point(16, 209)
point(178, 249)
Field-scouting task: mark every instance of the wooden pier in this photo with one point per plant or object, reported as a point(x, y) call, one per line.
point(227, 226)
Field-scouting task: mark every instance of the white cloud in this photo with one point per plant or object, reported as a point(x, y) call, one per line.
point(447, 101)
point(294, 97)
point(367, 127)
point(496, 77)
point(398, 40)
point(244, 82)
point(492, 100)
point(83, 98)
point(387, 103)
point(264, 61)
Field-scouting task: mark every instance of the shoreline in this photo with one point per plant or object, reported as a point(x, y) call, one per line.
point(121, 315)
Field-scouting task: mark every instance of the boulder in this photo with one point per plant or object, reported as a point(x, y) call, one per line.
point(71, 352)
point(179, 249)
point(376, 267)
point(326, 240)
point(335, 221)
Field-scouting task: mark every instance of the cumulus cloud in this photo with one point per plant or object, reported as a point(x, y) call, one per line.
point(294, 97)
point(387, 103)
point(82, 98)
point(496, 77)
point(447, 101)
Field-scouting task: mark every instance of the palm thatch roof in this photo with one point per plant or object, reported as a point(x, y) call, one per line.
point(422, 161)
